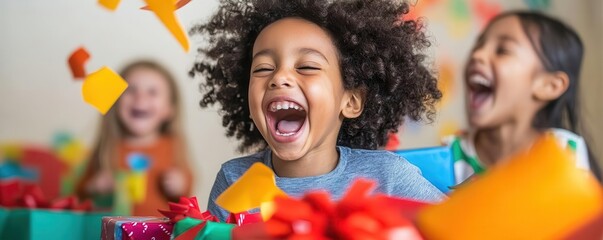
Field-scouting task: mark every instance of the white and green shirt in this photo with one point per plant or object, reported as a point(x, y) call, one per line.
point(466, 162)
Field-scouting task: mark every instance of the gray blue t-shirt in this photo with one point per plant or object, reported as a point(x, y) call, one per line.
point(395, 176)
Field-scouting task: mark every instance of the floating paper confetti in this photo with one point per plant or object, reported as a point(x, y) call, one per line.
point(485, 11)
point(255, 187)
point(109, 4)
point(165, 12)
point(102, 88)
point(76, 61)
point(446, 82)
point(538, 4)
point(538, 194)
point(179, 4)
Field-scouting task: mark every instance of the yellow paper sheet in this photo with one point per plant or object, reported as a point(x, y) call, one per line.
point(109, 4)
point(538, 194)
point(255, 187)
point(102, 88)
point(164, 9)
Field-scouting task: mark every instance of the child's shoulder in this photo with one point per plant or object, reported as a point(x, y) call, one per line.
point(380, 160)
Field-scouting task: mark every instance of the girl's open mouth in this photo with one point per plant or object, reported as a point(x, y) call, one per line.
point(286, 120)
point(481, 90)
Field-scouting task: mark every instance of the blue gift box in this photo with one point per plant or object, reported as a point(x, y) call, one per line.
point(436, 164)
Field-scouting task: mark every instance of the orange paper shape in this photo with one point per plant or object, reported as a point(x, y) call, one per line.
point(535, 195)
point(254, 187)
point(109, 4)
point(165, 12)
point(76, 61)
point(179, 4)
point(102, 88)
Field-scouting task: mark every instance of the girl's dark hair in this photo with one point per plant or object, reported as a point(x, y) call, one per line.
point(380, 54)
point(559, 49)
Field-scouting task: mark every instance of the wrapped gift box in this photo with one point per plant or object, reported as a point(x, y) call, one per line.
point(133, 228)
point(25, 224)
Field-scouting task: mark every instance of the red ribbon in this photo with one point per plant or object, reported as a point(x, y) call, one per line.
point(19, 194)
point(357, 216)
point(186, 207)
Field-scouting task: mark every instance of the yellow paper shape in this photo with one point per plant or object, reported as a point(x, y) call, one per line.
point(12, 152)
point(102, 88)
point(164, 9)
point(136, 186)
point(538, 194)
point(109, 4)
point(254, 187)
point(72, 153)
point(267, 209)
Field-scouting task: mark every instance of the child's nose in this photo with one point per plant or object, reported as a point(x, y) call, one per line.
point(280, 82)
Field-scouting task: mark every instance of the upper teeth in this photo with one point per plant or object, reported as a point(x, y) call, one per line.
point(284, 105)
point(481, 80)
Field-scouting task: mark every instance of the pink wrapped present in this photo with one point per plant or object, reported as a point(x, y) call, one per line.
point(136, 228)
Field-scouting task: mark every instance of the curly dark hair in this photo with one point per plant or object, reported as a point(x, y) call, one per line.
point(380, 53)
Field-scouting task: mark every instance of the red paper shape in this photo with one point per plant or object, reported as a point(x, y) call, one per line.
point(77, 59)
point(393, 142)
point(50, 168)
point(179, 4)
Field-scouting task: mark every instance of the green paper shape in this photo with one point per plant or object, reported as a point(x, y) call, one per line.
point(460, 9)
point(216, 231)
point(538, 4)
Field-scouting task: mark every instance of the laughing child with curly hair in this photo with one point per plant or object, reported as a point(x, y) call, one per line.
point(316, 85)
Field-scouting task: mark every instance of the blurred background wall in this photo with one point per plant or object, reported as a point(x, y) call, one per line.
point(39, 98)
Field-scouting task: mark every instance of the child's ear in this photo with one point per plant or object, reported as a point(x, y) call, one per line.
point(551, 86)
point(353, 103)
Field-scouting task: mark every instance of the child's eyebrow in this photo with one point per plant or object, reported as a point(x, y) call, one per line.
point(268, 52)
point(505, 37)
point(304, 51)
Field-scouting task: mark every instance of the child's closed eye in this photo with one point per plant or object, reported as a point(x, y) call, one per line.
point(263, 69)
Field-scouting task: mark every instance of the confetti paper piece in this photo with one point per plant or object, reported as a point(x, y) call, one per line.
point(109, 4)
point(102, 88)
point(485, 11)
point(446, 82)
point(538, 4)
point(12, 152)
point(165, 12)
point(254, 187)
point(418, 7)
point(72, 153)
point(76, 61)
point(538, 194)
point(179, 4)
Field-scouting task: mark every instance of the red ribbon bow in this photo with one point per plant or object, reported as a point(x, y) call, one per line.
point(186, 207)
point(18, 194)
point(357, 216)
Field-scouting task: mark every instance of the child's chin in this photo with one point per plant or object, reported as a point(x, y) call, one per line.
point(288, 154)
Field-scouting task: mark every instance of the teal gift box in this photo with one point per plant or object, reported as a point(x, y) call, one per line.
point(26, 224)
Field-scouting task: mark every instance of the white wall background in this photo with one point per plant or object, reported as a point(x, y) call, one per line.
point(38, 96)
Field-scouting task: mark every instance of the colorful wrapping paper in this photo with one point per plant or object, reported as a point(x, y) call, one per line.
point(25, 224)
point(134, 228)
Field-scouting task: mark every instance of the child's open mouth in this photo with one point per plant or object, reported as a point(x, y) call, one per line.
point(285, 120)
point(138, 113)
point(481, 90)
